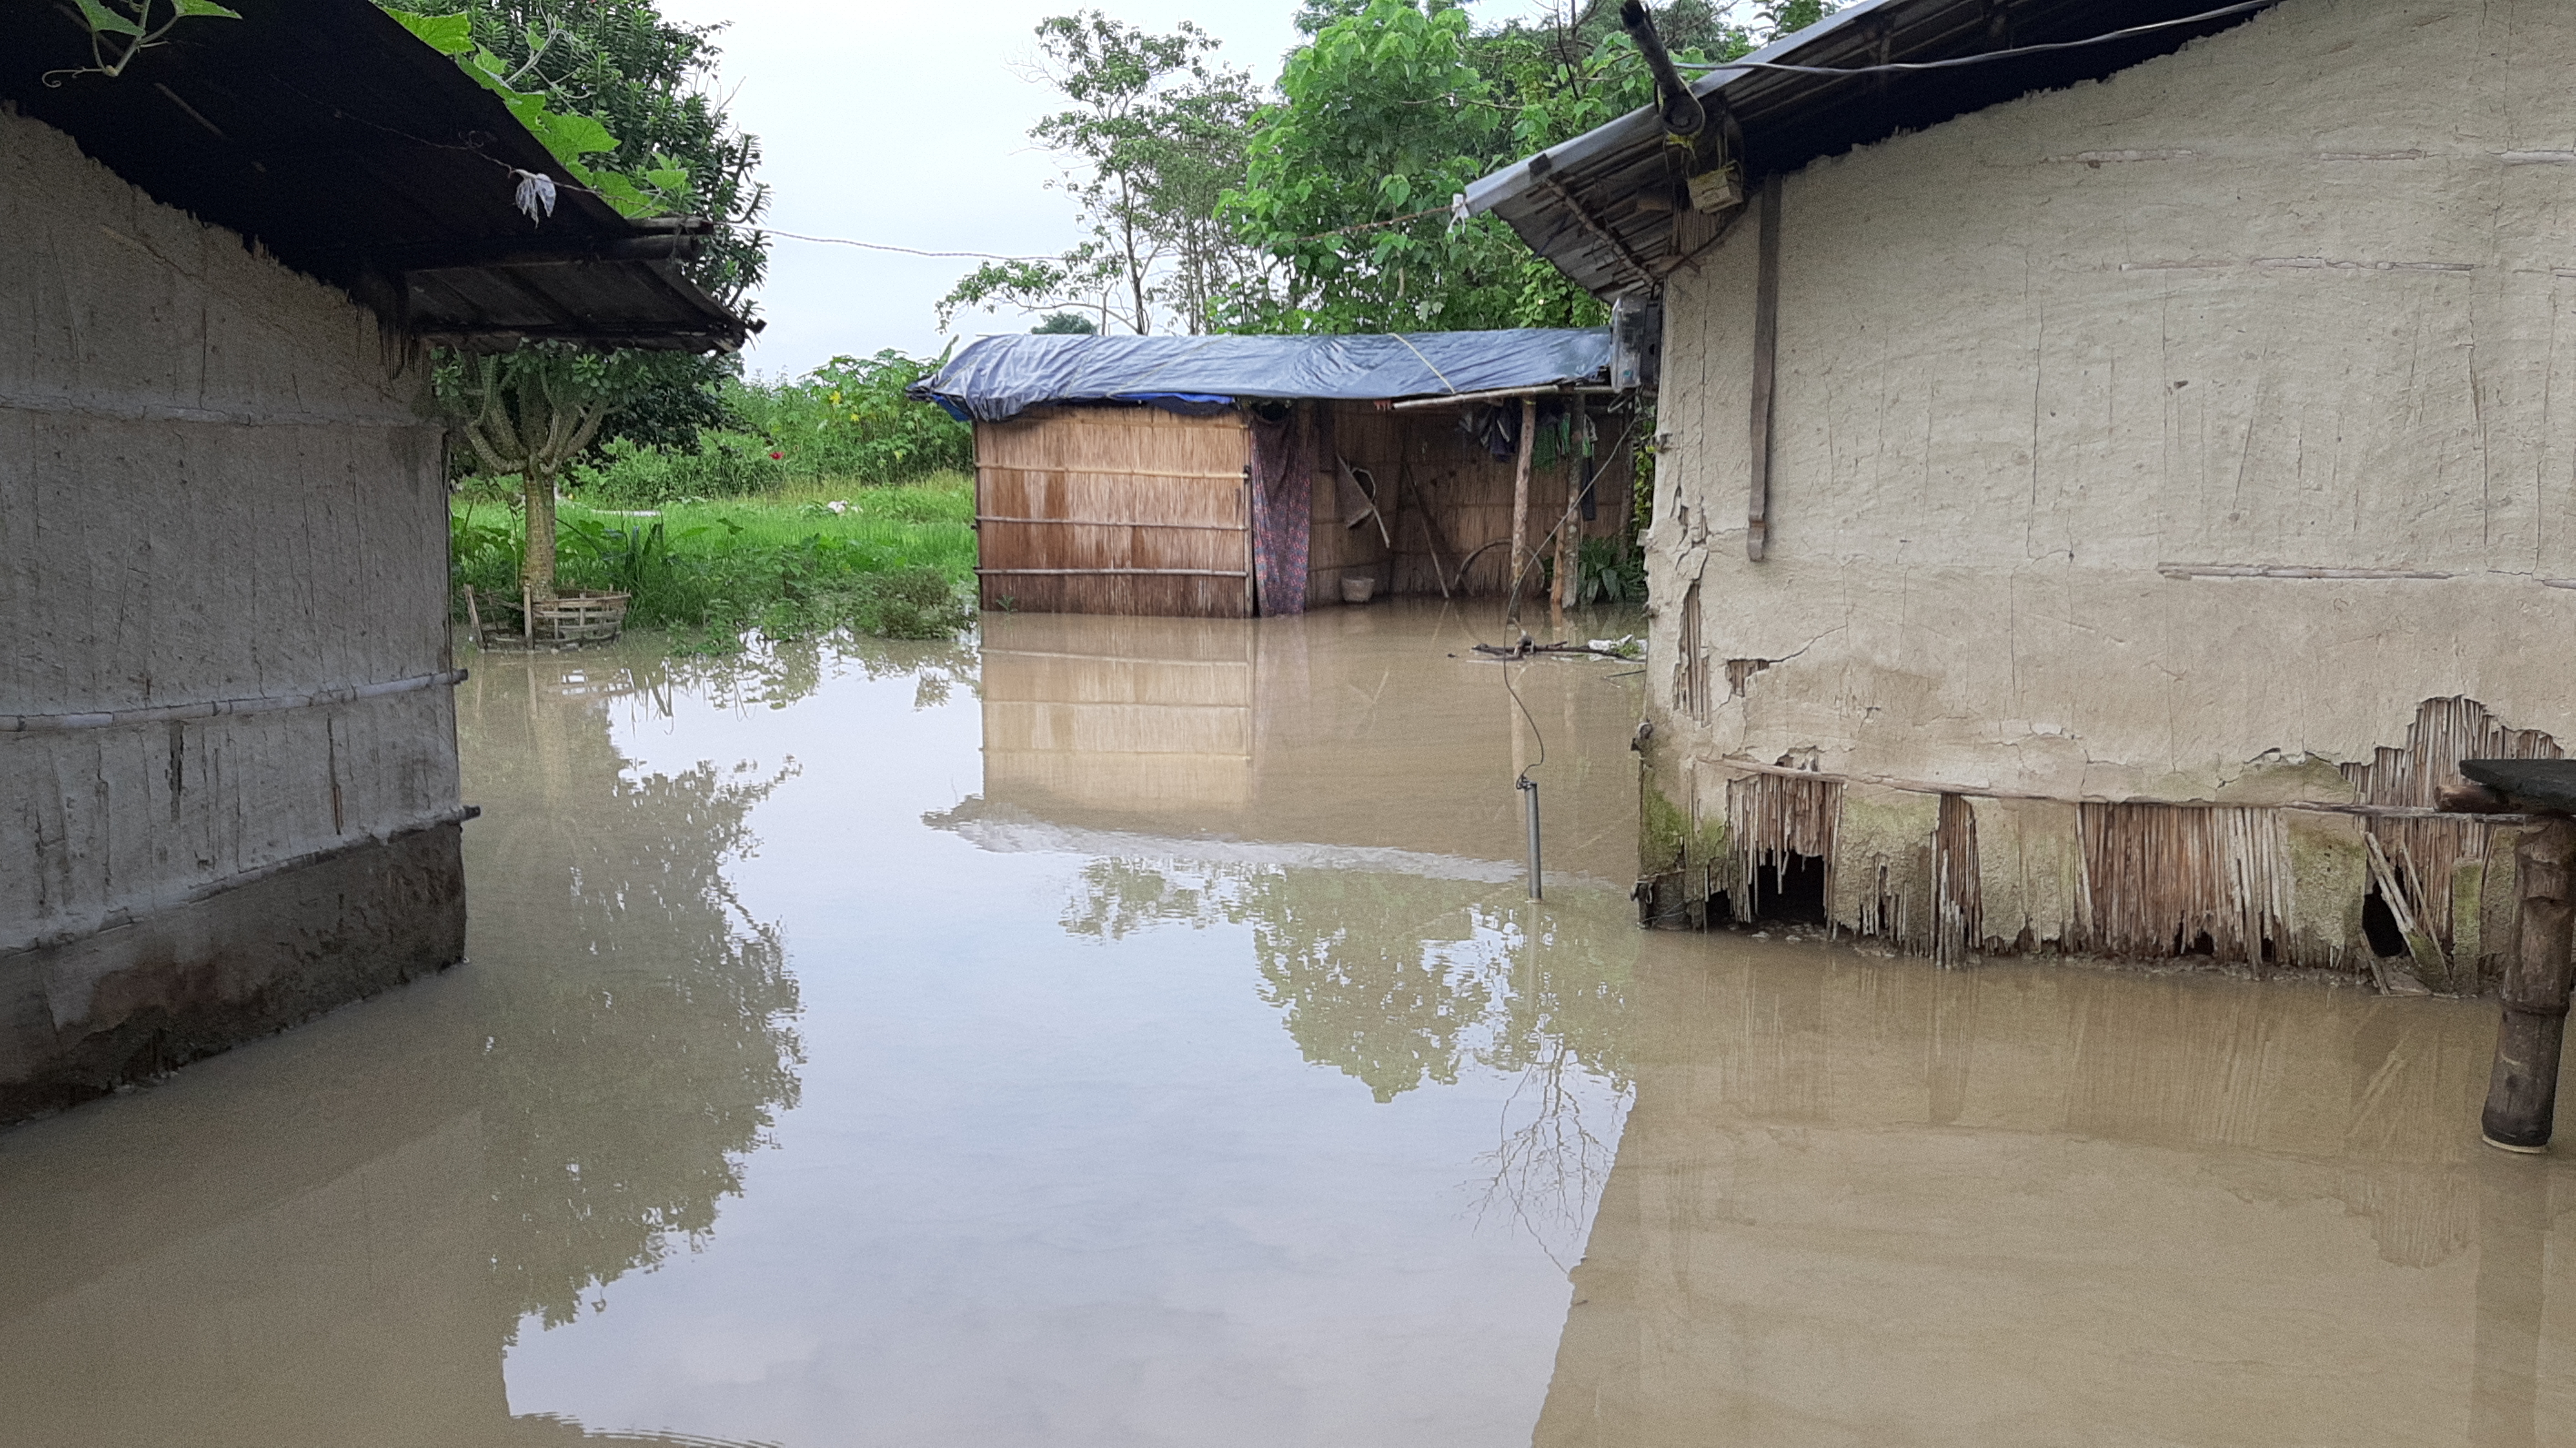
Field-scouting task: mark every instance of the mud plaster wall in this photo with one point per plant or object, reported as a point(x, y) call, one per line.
point(217, 481)
point(2299, 295)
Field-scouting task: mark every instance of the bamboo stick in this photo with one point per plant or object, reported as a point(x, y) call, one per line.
point(1520, 506)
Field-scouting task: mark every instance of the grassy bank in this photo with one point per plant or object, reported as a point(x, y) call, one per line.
point(798, 561)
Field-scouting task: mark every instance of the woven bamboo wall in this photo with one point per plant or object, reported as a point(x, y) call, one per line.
point(1445, 496)
point(1123, 510)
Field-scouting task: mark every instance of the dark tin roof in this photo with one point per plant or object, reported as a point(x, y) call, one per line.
point(996, 378)
point(1616, 177)
point(354, 153)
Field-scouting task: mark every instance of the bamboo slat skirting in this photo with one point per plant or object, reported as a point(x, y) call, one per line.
point(2178, 877)
point(982, 518)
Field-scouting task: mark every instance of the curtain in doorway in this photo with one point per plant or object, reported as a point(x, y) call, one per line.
point(1283, 467)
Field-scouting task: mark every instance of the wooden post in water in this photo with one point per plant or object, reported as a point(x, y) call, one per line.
point(2522, 1091)
point(1520, 506)
point(1569, 531)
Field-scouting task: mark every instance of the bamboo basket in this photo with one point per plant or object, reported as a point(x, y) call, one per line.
point(575, 616)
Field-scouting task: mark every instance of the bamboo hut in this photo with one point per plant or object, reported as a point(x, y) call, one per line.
point(228, 773)
point(1232, 476)
point(2111, 469)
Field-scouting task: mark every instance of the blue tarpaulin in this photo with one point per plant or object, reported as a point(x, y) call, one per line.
point(1000, 377)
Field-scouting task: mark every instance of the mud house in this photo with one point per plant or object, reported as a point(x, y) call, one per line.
point(1232, 476)
point(228, 777)
point(2103, 490)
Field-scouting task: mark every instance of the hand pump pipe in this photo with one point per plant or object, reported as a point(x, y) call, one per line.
point(1680, 111)
point(1529, 809)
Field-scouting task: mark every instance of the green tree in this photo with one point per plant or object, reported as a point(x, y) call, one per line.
point(652, 136)
point(1065, 324)
point(1152, 139)
point(1390, 110)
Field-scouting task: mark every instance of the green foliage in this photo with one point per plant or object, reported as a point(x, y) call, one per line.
point(120, 30)
point(848, 419)
point(615, 92)
point(1151, 141)
point(1606, 573)
point(893, 562)
point(1065, 324)
point(1388, 112)
point(847, 422)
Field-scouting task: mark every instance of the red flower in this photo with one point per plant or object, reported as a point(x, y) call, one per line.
point(778, 457)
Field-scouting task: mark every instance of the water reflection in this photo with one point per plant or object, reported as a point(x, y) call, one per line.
point(1863, 1200)
point(1341, 789)
point(330, 1238)
point(638, 1039)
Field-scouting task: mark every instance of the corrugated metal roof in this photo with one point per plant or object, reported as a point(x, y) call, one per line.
point(999, 377)
point(1609, 209)
point(354, 153)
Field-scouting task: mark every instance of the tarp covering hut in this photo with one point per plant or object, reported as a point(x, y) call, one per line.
point(228, 773)
point(1228, 476)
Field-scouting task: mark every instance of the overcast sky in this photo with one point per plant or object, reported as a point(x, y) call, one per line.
point(906, 123)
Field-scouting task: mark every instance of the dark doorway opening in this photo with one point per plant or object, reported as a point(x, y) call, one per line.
point(1792, 893)
point(2379, 926)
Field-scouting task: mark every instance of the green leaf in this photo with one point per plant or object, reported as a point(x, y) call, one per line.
point(105, 21)
point(446, 34)
point(668, 179)
point(205, 7)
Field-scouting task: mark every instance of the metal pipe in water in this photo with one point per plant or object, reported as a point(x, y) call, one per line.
point(1529, 808)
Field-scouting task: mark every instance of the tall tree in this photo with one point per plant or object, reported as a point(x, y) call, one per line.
point(1392, 108)
point(1152, 139)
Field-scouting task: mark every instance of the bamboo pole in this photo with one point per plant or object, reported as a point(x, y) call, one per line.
point(1520, 506)
point(2522, 1089)
point(1569, 529)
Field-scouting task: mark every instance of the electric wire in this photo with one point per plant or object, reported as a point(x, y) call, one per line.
point(1979, 59)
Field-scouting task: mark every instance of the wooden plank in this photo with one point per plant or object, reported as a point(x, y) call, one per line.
point(1234, 475)
point(1116, 523)
point(1766, 347)
point(1120, 572)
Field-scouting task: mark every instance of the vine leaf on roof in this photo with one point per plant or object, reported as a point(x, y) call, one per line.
point(568, 136)
point(126, 28)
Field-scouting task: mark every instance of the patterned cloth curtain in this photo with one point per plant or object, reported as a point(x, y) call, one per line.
point(1283, 459)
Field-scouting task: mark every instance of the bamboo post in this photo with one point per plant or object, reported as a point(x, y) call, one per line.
point(1766, 348)
point(1520, 506)
point(2522, 1091)
point(1569, 553)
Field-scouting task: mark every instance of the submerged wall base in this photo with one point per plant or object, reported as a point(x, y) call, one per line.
point(82, 1017)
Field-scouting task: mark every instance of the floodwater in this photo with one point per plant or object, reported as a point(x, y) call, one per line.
point(1137, 1032)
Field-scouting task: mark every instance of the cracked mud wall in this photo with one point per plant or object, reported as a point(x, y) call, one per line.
point(219, 481)
point(2143, 438)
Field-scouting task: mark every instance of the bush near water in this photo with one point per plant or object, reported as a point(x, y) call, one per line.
point(829, 502)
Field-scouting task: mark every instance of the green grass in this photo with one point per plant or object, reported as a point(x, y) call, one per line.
point(895, 560)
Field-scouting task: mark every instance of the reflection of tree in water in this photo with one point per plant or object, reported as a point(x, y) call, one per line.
point(639, 1037)
point(1401, 979)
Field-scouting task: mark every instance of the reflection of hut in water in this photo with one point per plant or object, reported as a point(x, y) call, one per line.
point(1350, 733)
point(1873, 1204)
point(228, 769)
point(337, 1243)
point(1228, 476)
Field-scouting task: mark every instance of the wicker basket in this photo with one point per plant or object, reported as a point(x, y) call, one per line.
point(576, 616)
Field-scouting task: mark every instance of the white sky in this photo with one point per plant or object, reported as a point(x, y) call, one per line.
point(906, 123)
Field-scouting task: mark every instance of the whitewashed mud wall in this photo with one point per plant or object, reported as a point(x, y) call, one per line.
point(218, 487)
point(2076, 395)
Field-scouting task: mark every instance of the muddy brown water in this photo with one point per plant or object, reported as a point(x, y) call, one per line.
point(1135, 1032)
